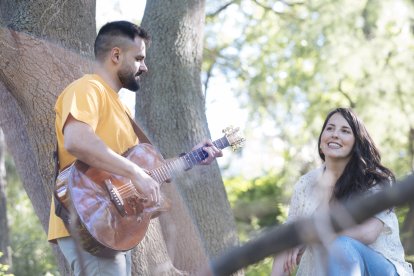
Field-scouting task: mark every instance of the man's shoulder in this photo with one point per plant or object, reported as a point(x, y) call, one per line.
point(85, 80)
point(85, 83)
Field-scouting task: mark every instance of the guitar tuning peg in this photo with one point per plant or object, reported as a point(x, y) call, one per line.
point(236, 129)
point(228, 130)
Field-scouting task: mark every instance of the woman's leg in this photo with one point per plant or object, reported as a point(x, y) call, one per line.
point(351, 257)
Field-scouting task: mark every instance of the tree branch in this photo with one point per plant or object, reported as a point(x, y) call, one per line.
point(269, 8)
point(306, 230)
point(208, 76)
point(352, 104)
point(222, 8)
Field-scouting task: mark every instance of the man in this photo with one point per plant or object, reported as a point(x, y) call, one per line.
point(93, 125)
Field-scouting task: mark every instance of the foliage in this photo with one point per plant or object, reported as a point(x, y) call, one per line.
point(289, 63)
point(257, 204)
point(4, 268)
point(31, 253)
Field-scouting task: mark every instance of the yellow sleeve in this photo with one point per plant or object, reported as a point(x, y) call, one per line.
point(84, 103)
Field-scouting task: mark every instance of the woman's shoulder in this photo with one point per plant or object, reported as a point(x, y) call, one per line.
point(310, 178)
point(313, 175)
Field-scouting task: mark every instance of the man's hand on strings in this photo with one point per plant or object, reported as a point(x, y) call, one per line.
point(212, 151)
point(147, 187)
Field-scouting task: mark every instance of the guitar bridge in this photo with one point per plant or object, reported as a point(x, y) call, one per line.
point(115, 197)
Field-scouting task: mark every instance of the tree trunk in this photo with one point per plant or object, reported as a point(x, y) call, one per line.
point(33, 71)
point(4, 227)
point(171, 108)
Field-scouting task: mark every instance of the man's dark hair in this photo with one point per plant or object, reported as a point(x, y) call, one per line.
point(108, 34)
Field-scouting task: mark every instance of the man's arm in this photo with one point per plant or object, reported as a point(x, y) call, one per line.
point(81, 141)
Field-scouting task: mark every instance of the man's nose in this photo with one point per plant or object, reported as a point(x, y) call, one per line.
point(143, 67)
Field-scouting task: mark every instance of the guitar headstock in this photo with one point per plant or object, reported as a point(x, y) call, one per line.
point(233, 136)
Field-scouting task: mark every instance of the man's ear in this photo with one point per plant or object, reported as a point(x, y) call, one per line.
point(115, 55)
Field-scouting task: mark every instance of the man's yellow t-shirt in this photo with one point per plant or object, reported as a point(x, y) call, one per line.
point(90, 100)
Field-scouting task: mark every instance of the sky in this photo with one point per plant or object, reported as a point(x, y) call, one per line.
point(222, 107)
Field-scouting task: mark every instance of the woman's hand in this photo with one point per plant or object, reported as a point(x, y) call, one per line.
point(292, 259)
point(286, 262)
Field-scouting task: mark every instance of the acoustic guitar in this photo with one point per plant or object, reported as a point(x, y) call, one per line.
point(107, 212)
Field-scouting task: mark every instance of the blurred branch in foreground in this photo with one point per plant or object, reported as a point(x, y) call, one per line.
point(313, 229)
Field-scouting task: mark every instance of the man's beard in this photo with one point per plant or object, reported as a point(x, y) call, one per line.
point(128, 80)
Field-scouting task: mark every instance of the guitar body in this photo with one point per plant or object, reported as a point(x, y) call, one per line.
point(102, 228)
point(107, 212)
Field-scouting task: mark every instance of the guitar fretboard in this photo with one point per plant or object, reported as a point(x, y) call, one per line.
point(185, 162)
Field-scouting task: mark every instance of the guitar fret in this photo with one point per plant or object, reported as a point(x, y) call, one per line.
point(223, 145)
point(197, 155)
point(164, 173)
point(193, 160)
point(203, 154)
point(173, 167)
point(155, 175)
point(186, 162)
point(167, 172)
point(176, 164)
point(170, 169)
point(159, 170)
point(182, 163)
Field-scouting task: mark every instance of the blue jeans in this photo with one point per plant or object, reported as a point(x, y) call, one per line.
point(120, 265)
point(351, 257)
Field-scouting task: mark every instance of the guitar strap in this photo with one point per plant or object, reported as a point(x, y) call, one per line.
point(60, 210)
point(138, 131)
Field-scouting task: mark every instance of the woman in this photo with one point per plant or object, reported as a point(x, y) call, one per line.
point(351, 166)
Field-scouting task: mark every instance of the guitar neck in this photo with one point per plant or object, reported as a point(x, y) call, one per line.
point(184, 162)
point(196, 156)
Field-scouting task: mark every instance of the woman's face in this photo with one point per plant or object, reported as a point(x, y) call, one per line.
point(337, 139)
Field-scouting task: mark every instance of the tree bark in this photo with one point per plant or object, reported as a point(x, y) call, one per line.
point(33, 71)
point(4, 227)
point(45, 45)
point(171, 108)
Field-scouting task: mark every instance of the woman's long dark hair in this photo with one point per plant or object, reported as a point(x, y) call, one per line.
point(364, 169)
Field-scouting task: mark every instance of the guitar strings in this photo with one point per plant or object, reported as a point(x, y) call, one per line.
point(159, 174)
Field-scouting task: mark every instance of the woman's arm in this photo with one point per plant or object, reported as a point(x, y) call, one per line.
point(279, 264)
point(366, 232)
